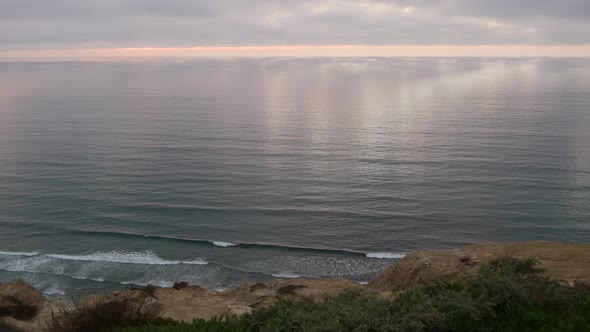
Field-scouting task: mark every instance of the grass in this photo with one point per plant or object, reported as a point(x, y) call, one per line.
point(507, 295)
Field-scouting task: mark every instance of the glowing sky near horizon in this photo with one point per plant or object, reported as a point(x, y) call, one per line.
point(155, 28)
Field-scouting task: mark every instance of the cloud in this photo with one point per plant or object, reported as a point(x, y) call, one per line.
point(566, 10)
point(139, 23)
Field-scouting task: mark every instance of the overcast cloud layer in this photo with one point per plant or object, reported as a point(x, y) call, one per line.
point(35, 24)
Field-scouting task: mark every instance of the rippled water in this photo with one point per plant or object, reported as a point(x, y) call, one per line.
point(220, 172)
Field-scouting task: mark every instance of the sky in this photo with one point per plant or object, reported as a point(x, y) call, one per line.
point(144, 28)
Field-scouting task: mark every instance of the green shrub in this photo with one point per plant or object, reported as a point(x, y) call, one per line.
point(506, 295)
point(16, 309)
point(180, 285)
point(289, 289)
point(101, 316)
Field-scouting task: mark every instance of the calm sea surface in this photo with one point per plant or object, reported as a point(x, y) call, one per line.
point(220, 172)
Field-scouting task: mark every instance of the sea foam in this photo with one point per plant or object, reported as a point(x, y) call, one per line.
point(54, 290)
point(148, 258)
point(18, 253)
point(386, 255)
point(286, 275)
point(223, 244)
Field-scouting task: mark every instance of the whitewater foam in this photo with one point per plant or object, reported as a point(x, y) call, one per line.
point(129, 283)
point(223, 244)
point(286, 275)
point(18, 253)
point(157, 283)
point(30, 264)
point(147, 257)
point(386, 255)
point(78, 277)
point(54, 290)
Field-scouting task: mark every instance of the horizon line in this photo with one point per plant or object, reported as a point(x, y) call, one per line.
point(483, 50)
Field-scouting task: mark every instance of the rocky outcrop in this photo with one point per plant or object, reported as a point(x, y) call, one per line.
point(24, 308)
point(20, 291)
point(569, 262)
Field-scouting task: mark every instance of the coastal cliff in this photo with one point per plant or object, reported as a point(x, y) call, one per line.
point(568, 263)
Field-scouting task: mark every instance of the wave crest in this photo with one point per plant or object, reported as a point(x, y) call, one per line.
point(19, 253)
point(286, 275)
point(386, 255)
point(223, 244)
point(147, 257)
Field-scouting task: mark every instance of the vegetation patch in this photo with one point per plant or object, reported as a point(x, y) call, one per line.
point(506, 295)
point(101, 316)
point(466, 260)
point(289, 289)
point(12, 307)
point(180, 285)
point(258, 286)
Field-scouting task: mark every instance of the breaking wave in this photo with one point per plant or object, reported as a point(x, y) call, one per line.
point(286, 275)
point(147, 257)
point(223, 244)
point(244, 245)
point(19, 253)
point(386, 255)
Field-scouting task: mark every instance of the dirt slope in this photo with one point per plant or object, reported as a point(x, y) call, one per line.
point(569, 262)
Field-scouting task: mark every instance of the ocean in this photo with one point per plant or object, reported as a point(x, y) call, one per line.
point(226, 171)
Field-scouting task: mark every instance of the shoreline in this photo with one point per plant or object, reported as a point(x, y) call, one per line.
point(566, 262)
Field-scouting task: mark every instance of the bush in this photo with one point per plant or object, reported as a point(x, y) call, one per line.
point(180, 285)
point(101, 316)
point(289, 289)
point(16, 309)
point(506, 295)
